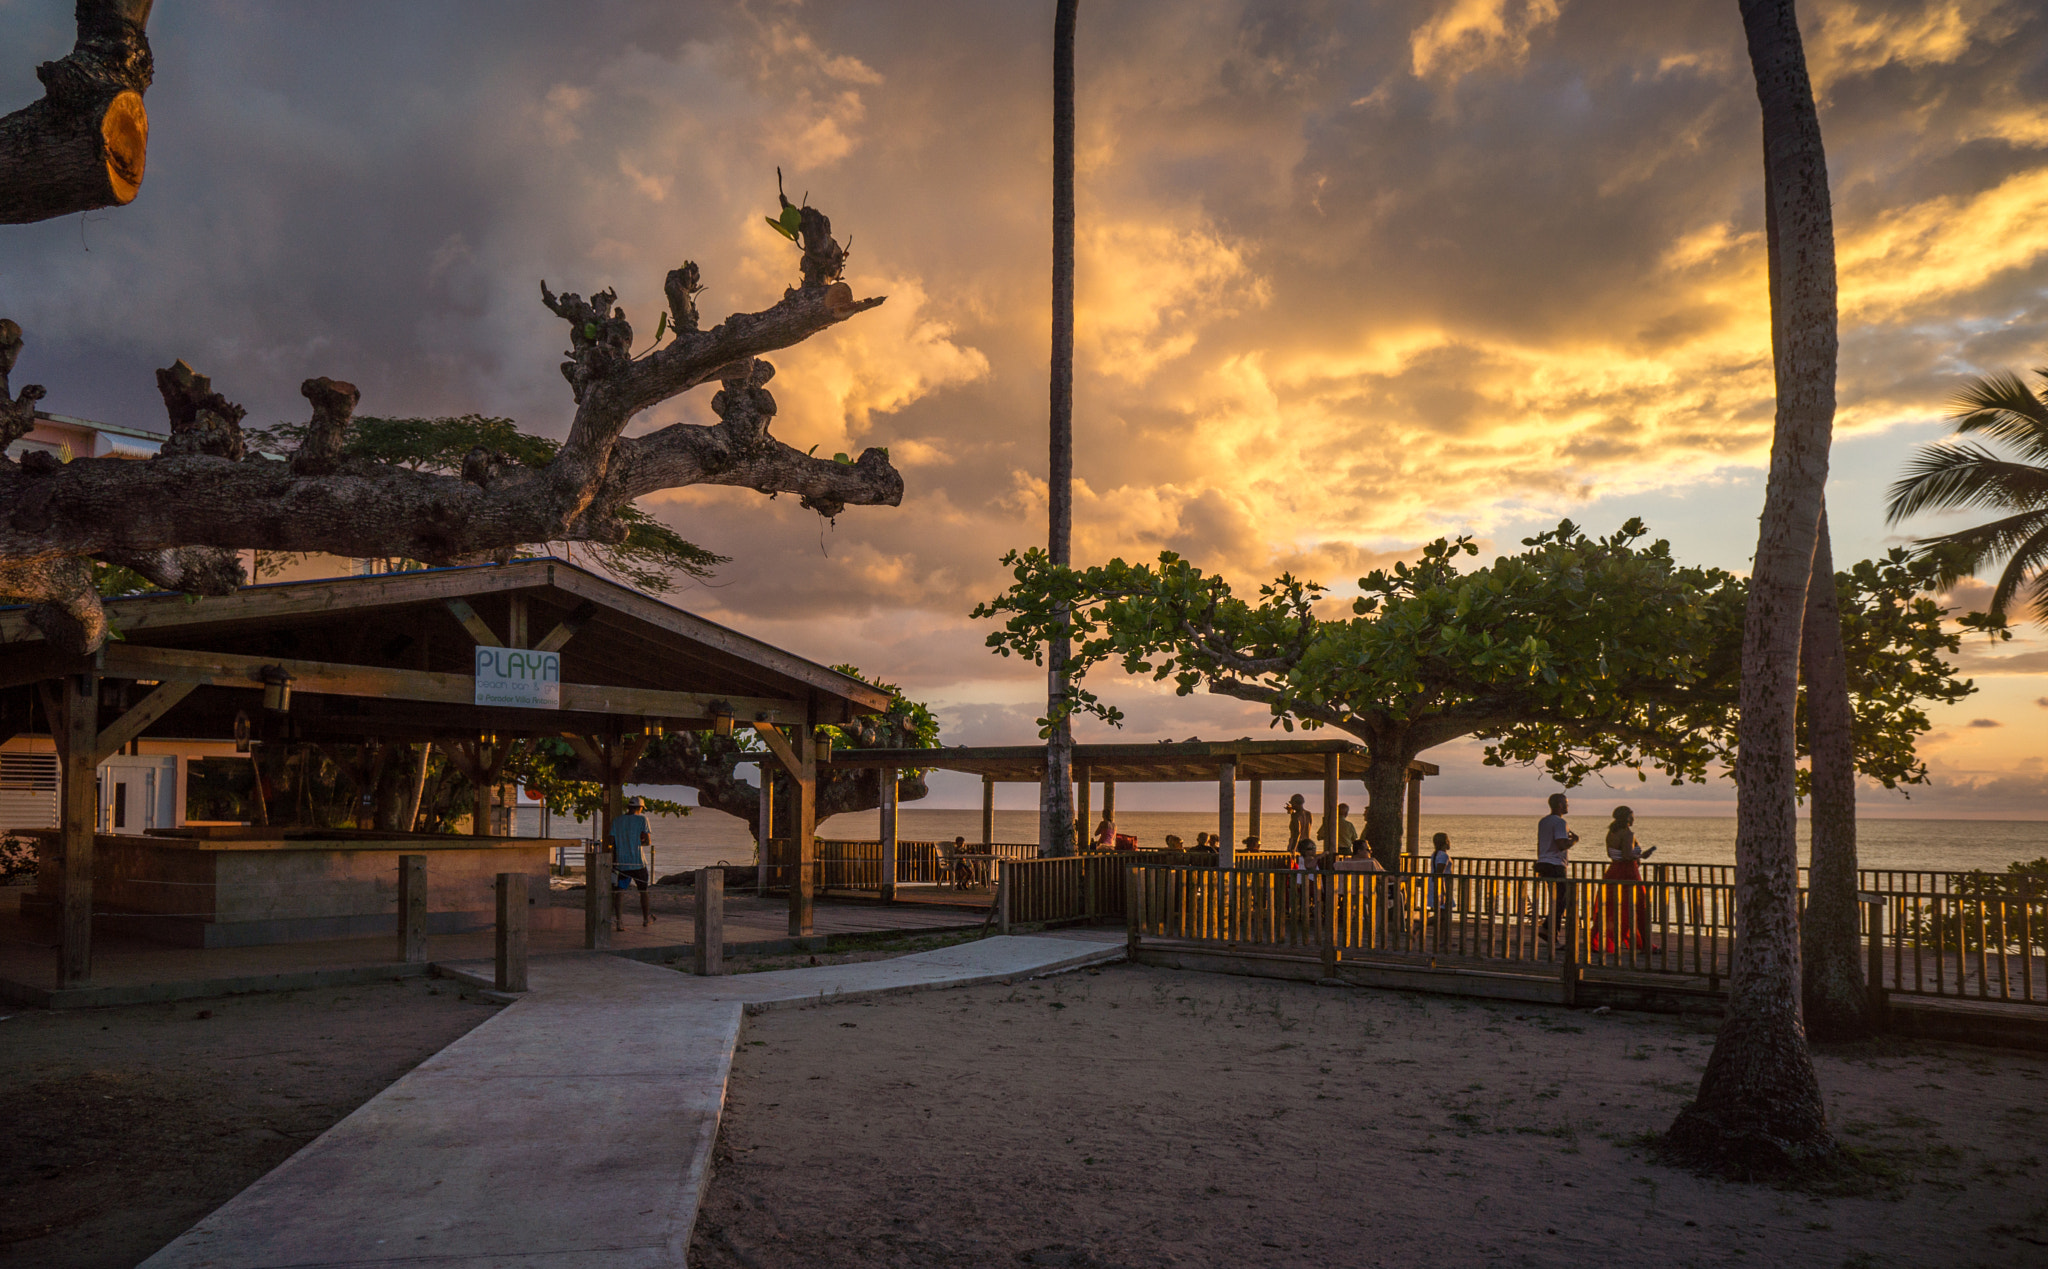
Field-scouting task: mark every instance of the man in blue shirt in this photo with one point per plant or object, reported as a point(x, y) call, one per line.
point(629, 836)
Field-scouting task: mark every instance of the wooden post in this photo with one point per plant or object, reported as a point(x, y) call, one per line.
point(765, 835)
point(79, 756)
point(1109, 807)
point(1873, 973)
point(597, 898)
point(1415, 817)
point(711, 920)
point(988, 812)
point(515, 893)
point(1332, 771)
point(1002, 896)
point(889, 832)
point(1084, 821)
point(1134, 913)
point(803, 886)
point(412, 909)
point(1257, 810)
point(1226, 812)
point(1566, 921)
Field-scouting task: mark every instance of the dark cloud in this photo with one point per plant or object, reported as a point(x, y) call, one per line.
point(1354, 275)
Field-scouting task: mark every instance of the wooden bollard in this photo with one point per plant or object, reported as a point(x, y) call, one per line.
point(515, 893)
point(711, 920)
point(1565, 913)
point(597, 899)
point(1002, 896)
point(412, 909)
point(1134, 909)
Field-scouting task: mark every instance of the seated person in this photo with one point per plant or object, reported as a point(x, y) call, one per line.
point(1360, 860)
point(1173, 842)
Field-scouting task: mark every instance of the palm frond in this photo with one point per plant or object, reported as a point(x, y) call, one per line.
point(1948, 476)
point(1965, 552)
point(2026, 570)
point(2001, 406)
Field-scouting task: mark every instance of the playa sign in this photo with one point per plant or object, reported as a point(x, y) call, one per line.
point(519, 676)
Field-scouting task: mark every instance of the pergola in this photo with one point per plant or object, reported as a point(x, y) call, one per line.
point(1166, 762)
point(470, 658)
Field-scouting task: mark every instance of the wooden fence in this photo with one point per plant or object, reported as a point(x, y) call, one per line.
point(1980, 947)
point(1884, 880)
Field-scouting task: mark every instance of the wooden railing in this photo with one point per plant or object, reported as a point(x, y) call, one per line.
point(1887, 880)
point(1986, 946)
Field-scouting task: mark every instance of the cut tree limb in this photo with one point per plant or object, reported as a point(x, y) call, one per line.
point(84, 145)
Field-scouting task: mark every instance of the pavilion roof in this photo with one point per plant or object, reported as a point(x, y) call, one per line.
point(394, 654)
point(1164, 762)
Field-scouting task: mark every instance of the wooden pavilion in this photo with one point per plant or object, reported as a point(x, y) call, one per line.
point(1167, 762)
point(469, 658)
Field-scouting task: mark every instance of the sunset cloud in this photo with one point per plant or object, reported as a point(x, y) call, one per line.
point(1351, 277)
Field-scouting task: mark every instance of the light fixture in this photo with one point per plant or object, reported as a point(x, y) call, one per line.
point(277, 689)
point(721, 719)
point(245, 732)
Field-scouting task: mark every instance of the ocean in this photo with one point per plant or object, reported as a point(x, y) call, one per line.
point(710, 837)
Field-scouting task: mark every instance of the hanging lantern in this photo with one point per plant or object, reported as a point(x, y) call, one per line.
point(277, 689)
point(245, 732)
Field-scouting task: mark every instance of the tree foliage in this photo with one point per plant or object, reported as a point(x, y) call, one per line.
point(1954, 476)
point(1580, 654)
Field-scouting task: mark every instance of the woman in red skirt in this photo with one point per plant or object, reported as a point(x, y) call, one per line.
point(1625, 919)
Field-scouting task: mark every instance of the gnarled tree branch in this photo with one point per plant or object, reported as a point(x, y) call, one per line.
point(179, 517)
point(84, 144)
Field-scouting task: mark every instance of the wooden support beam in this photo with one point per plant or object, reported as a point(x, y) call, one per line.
point(132, 724)
point(1084, 822)
point(566, 630)
point(328, 678)
point(1109, 802)
point(1333, 770)
point(1226, 812)
point(764, 834)
point(1414, 812)
point(478, 628)
point(804, 832)
point(889, 831)
point(988, 812)
point(516, 618)
point(779, 745)
point(33, 665)
point(79, 822)
point(1257, 811)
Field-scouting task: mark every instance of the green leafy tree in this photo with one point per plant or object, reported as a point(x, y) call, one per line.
point(1580, 654)
point(1954, 476)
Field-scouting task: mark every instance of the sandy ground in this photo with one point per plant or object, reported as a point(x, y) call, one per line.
point(1136, 1117)
point(121, 1127)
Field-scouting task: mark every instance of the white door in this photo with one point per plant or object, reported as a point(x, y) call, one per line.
point(138, 794)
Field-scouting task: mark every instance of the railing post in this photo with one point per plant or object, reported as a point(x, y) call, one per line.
point(412, 909)
point(1873, 973)
point(597, 886)
point(711, 920)
point(1568, 959)
point(1002, 896)
point(1326, 918)
point(515, 893)
point(1088, 889)
point(1134, 905)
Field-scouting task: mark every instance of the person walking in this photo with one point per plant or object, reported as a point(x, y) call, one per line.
point(629, 865)
point(1625, 909)
point(1554, 842)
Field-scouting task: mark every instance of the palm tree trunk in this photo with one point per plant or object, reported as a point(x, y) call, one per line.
point(1759, 1109)
point(1830, 944)
point(1056, 798)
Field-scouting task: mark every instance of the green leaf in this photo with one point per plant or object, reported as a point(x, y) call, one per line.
point(842, 459)
point(787, 231)
point(590, 331)
point(792, 221)
point(660, 325)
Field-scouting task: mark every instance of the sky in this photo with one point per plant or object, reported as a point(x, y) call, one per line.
point(1352, 276)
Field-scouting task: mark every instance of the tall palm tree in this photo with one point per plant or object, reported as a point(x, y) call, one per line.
point(1952, 476)
point(1056, 798)
point(1759, 1108)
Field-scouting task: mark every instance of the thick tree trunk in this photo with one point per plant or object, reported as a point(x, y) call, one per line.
point(1830, 942)
point(1386, 782)
point(1759, 1109)
point(83, 146)
point(1056, 796)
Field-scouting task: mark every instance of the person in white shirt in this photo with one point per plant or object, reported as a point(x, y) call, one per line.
point(1554, 842)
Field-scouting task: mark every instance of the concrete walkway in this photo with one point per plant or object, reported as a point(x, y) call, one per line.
point(574, 1128)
